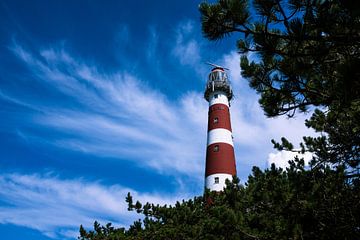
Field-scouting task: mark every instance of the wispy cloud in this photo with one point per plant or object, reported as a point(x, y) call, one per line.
point(187, 49)
point(119, 115)
point(56, 207)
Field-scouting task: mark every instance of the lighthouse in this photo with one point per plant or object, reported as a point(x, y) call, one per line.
point(220, 158)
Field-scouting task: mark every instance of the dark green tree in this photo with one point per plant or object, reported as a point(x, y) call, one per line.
point(274, 204)
point(306, 54)
point(106, 232)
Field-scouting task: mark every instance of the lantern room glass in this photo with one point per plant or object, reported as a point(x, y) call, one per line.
point(217, 76)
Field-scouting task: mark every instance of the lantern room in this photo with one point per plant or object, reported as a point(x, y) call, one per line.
point(218, 82)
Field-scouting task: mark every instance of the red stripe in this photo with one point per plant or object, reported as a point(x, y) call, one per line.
point(219, 117)
point(222, 161)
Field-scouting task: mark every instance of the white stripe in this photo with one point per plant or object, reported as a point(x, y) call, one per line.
point(220, 135)
point(212, 185)
point(218, 97)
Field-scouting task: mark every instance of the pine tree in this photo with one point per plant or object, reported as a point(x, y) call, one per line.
point(274, 204)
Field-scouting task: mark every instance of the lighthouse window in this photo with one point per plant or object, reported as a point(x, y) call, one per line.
point(216, 180)
point(216, 148)
point(216, 120)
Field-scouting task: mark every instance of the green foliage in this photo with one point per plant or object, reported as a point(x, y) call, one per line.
point(106, 232)
point(226, 15)
point(274, 204)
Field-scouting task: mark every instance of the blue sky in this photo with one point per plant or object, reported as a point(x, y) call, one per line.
point(103, 98)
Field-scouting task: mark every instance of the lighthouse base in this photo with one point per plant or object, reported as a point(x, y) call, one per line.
point(216, 182)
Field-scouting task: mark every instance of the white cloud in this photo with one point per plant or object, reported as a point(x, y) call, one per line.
point(56, 207)
point(281, 158)
point(186, 48)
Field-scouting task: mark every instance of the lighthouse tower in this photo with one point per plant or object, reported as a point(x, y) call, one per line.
point(220, 158)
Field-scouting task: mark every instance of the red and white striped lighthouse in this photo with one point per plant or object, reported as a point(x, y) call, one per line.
point(220, 158)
